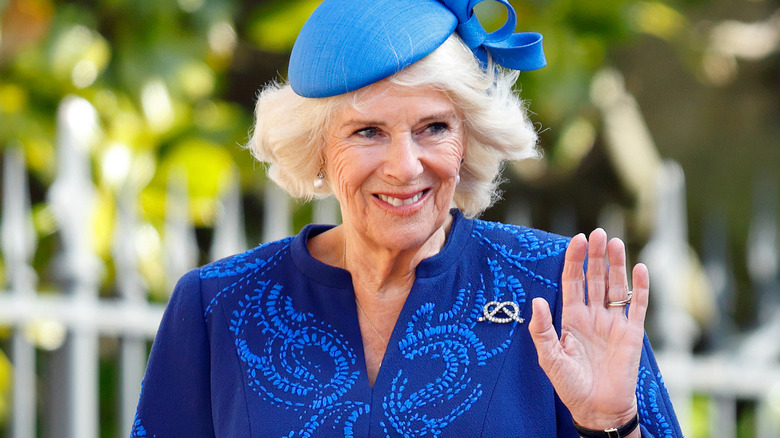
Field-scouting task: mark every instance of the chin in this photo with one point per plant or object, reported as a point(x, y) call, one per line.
point(409, 233)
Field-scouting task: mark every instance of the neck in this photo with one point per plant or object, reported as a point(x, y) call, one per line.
point(386, 273)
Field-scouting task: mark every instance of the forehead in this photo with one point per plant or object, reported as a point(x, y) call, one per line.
point(387, 100)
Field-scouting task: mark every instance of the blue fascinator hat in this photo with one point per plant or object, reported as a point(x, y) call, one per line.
point(348, 44)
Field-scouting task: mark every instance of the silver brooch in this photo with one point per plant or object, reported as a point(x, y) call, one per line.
point(509, 308)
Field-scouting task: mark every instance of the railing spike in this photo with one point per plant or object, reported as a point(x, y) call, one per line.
point(18, 246)
point(229, 236)
point(180, 244)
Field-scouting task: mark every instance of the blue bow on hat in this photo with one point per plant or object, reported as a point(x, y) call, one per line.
point(518, 51)
point(348, 44)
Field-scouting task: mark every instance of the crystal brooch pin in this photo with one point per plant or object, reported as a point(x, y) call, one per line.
point(501, 312)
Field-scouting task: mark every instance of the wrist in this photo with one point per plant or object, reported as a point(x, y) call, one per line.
point(601, 419)
point(621, 431)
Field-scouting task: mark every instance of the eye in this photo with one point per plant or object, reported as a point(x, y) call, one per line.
point(369, 132)
point(436, 128)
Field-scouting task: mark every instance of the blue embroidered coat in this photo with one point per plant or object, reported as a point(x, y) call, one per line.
point(267, 344)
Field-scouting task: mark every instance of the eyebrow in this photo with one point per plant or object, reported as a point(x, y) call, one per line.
point(444, 115)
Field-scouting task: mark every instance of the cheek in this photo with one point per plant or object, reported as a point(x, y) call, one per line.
point(346, 174)
point(448, 160)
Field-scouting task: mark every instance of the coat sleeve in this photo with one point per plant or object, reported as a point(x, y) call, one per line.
point(175, 396)
point(656, 414)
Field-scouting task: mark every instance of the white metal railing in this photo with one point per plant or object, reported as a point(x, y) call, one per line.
point(739, 366)
point(745, 366)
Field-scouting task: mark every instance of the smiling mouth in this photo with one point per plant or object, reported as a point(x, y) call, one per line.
point(398, 202)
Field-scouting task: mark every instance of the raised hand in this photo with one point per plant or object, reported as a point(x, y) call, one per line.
point(594, 364)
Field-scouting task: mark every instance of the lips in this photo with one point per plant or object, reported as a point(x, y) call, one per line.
point(398, 202)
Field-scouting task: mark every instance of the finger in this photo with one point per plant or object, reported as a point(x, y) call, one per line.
point(641, 294)
point(618, 280)
point(597, 267)
point(573, 277)
point(543, 333)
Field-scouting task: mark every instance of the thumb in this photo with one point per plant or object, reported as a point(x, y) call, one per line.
point(542, 332)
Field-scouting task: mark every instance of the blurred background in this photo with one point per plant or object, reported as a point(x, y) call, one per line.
point(122, 125)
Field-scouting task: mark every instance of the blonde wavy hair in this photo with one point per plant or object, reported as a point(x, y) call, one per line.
point(289, 130)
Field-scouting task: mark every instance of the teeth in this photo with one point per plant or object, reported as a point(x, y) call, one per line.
point(397, 202)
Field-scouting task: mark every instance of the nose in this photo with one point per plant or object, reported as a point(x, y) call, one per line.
point(402, 159)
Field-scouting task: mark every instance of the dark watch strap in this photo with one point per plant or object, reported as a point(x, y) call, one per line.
point(609, 433)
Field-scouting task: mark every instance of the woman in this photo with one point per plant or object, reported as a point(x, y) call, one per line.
point(408, 319)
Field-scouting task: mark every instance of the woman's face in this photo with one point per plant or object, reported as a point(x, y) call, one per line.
point(392, 164)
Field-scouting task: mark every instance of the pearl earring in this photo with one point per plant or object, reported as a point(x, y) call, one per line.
point(457, 179)
point(319, 181)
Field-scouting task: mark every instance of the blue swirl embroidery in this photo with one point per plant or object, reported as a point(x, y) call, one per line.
point(649, 392)
point(244, 266)
point(281, 370)
point(451, 337)
point(532, 249)
point(346, 413)
point(138, 429)
point(248, 261)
